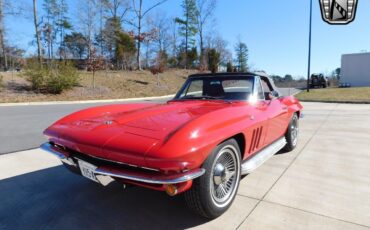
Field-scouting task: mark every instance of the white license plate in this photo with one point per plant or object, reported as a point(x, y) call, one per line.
point(87, 170)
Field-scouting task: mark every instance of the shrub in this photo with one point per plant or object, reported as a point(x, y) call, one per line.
point(35, 74)
point(213, 60)
point(54, 78)
point(2, 84)
point(229, 67)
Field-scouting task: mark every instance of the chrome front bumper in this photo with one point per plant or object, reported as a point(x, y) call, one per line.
point(105, 175)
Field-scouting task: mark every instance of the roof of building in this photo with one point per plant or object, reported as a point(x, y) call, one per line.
point(356, 54)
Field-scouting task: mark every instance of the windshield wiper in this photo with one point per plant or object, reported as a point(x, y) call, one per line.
point(202, 97)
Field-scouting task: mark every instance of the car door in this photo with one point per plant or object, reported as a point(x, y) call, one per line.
point(277, 114)
point(257, 132)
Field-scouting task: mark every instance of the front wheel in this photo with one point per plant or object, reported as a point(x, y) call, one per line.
point(213, 193)
point(291, 135)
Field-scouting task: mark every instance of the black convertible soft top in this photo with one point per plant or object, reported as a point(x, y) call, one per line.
point(262, 75)
point(222, 74)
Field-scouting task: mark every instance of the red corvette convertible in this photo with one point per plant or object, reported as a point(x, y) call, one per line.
point(217, 128)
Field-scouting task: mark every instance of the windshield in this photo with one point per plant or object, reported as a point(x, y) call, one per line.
point(224, 88)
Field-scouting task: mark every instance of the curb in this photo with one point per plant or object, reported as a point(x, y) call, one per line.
point(340, 102)
point(85, 102)
point(296, 92)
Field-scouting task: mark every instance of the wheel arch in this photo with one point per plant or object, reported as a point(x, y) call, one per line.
point(241, 140)
point(298, 112)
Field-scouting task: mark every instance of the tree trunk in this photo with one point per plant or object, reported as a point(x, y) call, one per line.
point(201, 59)
point(186, 36)
point(2, 42)
point(138, 58)
point(101, 29)
point(94, 79)
point(37, 31)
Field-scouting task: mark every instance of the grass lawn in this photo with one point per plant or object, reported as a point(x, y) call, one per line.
point(358, 94)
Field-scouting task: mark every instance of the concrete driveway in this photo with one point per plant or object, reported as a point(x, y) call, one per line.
point(323, 184)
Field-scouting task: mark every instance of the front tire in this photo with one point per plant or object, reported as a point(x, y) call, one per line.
point(213, 193)
point(291, 135)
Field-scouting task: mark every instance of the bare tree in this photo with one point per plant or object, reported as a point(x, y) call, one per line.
point(51, 8)
point(205, 12)
point(160, 24)
point(87, 18)
point(37, 31)
point(116, 8)
point(140, 14)
point(6, 8)
point(2, 37)
point(94, 64)
point(173, 37)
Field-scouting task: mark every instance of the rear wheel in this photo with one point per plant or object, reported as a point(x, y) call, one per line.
point(213, 193)
point(291, 135)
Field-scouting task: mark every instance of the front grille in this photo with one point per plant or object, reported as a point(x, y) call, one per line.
point(99, 162)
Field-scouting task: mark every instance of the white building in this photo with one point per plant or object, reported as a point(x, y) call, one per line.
point(355, 69)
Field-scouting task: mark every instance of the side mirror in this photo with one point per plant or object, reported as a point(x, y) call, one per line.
point(274, 94)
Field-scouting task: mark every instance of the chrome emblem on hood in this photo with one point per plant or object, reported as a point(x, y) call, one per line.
point(108, 122)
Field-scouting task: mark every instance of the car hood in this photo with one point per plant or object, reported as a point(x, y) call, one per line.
point(115, 130)
point(153, 121)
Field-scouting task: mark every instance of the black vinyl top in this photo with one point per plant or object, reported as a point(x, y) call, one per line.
point(227, 74)
point(244, 74)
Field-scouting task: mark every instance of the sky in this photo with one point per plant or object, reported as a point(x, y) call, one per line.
point(276, 32)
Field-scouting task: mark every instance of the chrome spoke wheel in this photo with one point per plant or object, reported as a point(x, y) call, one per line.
point(225, 175)
point(294, 131)
point(213, 193)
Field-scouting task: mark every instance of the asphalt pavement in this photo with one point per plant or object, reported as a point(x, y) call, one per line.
point(22, 125)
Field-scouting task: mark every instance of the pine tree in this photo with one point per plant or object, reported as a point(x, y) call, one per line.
point(241, 51)
point(229, 67)
point(62, 24)
point(213, 60)
point(125, 49)
point(56, 23)
point(188, 25)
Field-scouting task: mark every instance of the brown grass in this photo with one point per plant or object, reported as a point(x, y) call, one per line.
point(109, 85)
point(360, 94)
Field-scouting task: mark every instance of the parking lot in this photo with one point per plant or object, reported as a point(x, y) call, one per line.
point(323, 184)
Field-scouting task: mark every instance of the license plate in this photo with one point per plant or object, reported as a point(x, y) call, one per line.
point(87, 170)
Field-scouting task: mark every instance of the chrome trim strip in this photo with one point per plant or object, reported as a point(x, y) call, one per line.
point(189, 175)
point(101, 173)
point(47, 147)
point(259, 158)
point(121, 163)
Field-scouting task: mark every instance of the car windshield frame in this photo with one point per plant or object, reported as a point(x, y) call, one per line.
point(187, 83)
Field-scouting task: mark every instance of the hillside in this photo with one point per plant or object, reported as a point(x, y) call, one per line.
point(109, 85)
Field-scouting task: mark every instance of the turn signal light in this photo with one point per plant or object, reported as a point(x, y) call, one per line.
point(171, 189)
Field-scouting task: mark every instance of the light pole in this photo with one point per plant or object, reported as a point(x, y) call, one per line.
point(309, 50)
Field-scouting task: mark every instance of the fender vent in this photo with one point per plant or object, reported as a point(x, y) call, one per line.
point(256, 138)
